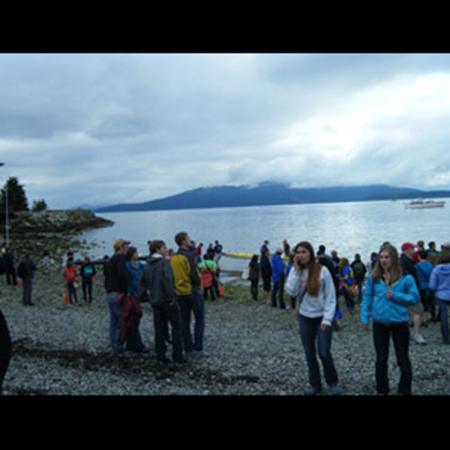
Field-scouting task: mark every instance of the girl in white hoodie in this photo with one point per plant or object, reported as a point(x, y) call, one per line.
point(312, 285)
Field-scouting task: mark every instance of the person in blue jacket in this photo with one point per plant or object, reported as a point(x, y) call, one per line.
point(387, 297)
point(278, 275)
point(440, 284)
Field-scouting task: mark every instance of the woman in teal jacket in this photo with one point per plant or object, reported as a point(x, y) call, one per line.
point(387, 297)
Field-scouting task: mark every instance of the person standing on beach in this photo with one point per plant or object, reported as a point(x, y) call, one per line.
point(130, 308)
point(5, 349)
point(278, 279)
point(359, 273)
point(116, 287)
point(87, 272)
point(25, 271)
point(286, 248)
point(387, 297)
point(157, 278)
point(253, 276)
point(264, 248)
point(408, 267)
point(346, 284)
point(312, 284)
point(218, 249)
point(10, 262)
point(189, 297)
point(440, 285)
point(266, 274)
point(70, 275)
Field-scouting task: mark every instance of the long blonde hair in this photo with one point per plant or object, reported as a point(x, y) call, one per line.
point(395, 271)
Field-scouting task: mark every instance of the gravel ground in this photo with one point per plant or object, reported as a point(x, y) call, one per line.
point(253, 350)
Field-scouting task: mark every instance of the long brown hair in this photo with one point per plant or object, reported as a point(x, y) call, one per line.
point(395, 270)
point(314, 268)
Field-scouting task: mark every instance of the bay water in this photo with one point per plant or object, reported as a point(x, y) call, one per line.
point(349, 228)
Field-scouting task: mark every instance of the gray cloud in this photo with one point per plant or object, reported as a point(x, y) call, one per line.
point(91, 128)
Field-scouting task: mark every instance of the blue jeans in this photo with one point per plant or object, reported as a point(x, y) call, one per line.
point(443, 312)
point(309, 329)
point(195, 303)
point(72, 293)
point(114, 327)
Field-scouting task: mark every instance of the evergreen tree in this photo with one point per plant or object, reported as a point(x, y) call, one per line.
point(39, 205)
point(17, 200)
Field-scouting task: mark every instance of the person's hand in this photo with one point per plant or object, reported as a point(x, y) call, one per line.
point(324, 326)
point(389, 294)
point(297, 262)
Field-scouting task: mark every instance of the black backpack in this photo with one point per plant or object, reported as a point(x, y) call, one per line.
point(359, 270)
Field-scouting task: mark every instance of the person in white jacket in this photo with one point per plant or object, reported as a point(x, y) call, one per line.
point(312, 285)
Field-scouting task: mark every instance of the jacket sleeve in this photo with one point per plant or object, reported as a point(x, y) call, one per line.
point(433, 283)
point(168, 280)
point(367, 301)
point(411, 296)
point(330, 297)
point(293, 283)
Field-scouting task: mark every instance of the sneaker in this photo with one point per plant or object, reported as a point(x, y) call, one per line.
point(310, 391)
point(419, 339)
point(335, 389)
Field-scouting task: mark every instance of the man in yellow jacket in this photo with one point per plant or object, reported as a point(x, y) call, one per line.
point(187, 286)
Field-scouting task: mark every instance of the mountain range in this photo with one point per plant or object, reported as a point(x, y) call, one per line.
point(269, 193)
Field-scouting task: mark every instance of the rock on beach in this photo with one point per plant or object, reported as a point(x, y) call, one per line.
point(253, 349)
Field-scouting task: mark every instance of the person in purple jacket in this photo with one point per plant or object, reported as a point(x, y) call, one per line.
point(440, 284)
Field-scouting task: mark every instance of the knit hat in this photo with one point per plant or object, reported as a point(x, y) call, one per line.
point(407, 246)
point(120, 243)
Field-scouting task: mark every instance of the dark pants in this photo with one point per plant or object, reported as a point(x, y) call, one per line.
point(400, 336)
point(254, 289)
point(196, 304)
point(72, 293)
point(443, 313)
point(359, 285)
point(348, 296)
point(426, 297)
point(278, 288)
point(163, 315)
point(309, 330)
point(27, 286)
point(5, 349)
point(209, 290)
point(87, 290)
point(11, 276)
point(216, 286)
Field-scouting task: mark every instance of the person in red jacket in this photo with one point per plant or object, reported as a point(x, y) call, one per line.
point(70, 275)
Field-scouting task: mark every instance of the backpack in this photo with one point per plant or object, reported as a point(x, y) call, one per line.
point(207, 278)
point(2, 265)
point(23, 270)
point(88, 271)
point(359, 270)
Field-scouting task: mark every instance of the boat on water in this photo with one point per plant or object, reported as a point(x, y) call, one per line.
point(422, 204)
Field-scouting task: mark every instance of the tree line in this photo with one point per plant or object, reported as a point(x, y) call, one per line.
point(17, 199)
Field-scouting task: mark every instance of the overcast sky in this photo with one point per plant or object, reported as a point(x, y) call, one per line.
point(110, 128)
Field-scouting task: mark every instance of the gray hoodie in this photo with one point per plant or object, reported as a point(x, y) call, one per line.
point(157, 278)
point(324, 305)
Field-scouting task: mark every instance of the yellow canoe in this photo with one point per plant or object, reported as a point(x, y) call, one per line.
point(245, 255)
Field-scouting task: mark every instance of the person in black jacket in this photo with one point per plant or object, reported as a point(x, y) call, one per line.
point(10, 262)
point(266, 274)
point(87, 272)
point(408, 267)
point(253, 276)
point(157, 280)
point(5, 348)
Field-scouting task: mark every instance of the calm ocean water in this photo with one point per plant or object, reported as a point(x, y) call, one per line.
point(349, 228)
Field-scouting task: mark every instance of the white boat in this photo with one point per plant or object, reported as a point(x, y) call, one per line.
point(421, 204)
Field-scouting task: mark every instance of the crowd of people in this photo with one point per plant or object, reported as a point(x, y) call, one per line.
point(396, 291)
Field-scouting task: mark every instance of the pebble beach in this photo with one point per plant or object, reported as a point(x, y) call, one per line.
point(252, 348)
